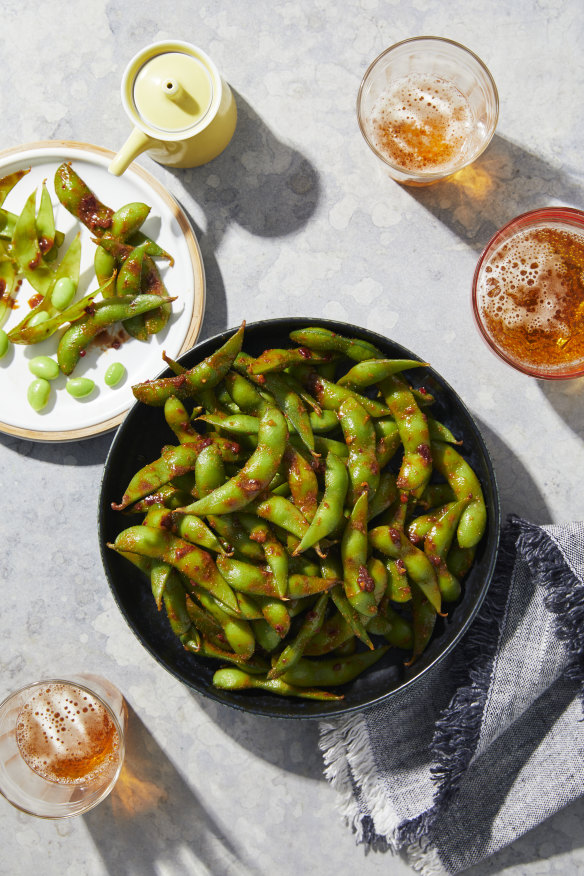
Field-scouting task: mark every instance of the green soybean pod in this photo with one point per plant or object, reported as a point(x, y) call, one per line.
point(80, 387)
point(38, 393)
point(4, 343)
point(63, 293)
point(104, 264)
point(45, 367)
point(114, 374)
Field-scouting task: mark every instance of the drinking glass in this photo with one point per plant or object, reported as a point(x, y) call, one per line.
point(528, 293)
point(427, 107)
point(61, 745)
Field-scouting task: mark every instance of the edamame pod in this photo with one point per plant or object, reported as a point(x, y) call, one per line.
point(45, 224)
point(237, 631)
point(359, 435)
point(465, 485)
point(278, 360)
point(316, 338)
point(204, 375)
point(352, 617)
point(332, 671)
point(292, 653)
point(330, 396)
point(358, 583)
point(372, 371)
point(189, 527)
point(8, 182)
point(4, 343)
point(28, 333)
point(437, 544)
point(254, 476)
point(189, 559)
point(236, 679)
point(275, 554)
point(104, 313)
point(174, 599)
point(159, 574)
point(285, 397)
point(302, 481)
point(395, 544)
point(148, 479)
point(412, 424)
point(253, 665)
point(128, 219)
point(330, 510)
point(26, 251)
point(281, 512)
point(247, 578)
point(79, 200)
point(424, 620)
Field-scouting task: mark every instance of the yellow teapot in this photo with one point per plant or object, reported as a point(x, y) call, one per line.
point(183, 112)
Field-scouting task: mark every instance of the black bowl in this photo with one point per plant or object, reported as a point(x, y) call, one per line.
point(139, 440)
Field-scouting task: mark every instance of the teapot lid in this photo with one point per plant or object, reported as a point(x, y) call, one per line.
point(172, 91)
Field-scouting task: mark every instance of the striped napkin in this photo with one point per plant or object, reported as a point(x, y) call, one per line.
point(491, 741)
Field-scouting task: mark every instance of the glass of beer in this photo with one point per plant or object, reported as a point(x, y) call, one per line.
point(528, 293)
point(61, 745)
point(427, 107)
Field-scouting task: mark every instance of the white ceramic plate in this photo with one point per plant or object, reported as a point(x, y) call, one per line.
point(66, 418)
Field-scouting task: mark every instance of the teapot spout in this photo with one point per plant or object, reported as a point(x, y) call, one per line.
point(136, 143)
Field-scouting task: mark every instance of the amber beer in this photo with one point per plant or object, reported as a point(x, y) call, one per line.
point(422, 124)
point(66, 735)
point(529, 293)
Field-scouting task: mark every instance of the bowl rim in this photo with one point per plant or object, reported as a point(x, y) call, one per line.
point(318, 710)
point(570, 216)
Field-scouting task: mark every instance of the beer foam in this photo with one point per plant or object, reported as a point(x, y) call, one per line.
point(67, 736)
point(523, 284)
point(530, 296)
point(421, 122)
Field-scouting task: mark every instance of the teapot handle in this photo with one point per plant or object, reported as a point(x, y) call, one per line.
point(136, 143)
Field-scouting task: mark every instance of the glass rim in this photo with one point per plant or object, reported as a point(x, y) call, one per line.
point(524, 220)
point(436, 175)
point(57, 680)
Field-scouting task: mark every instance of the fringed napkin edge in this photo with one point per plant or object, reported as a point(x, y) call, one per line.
point(345, 745)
